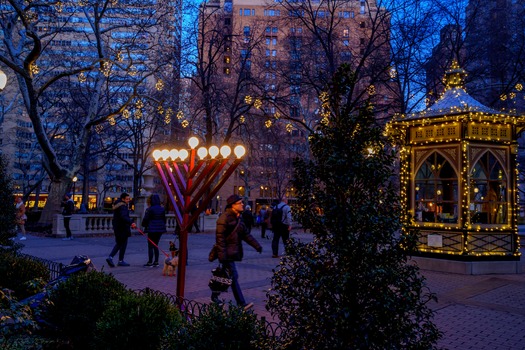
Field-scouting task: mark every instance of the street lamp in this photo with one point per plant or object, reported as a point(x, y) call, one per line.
point(75, 179)
point(188, 181)
point(3, 80)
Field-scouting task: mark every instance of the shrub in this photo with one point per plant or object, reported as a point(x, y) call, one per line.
point(16, 318)
point(351, 287)
point(78, 302)
point(222, 328)
point(139, 321)
point(25, 277)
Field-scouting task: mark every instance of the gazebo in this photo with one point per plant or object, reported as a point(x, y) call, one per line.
point(459, 182)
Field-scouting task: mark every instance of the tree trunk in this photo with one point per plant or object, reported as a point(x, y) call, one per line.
point(54, 199)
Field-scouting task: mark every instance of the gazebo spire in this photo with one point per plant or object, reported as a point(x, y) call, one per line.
point(455, 77)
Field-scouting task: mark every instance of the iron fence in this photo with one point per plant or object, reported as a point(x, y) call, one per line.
point(190, 309)
point(54, 268)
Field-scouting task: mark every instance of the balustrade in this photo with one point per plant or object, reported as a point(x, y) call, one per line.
point(101, 224)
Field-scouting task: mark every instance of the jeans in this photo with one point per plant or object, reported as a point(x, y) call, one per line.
point(264, 226)
point(153, 247)
point(236, 288)
point(67, 219)
point(121, 243)
point(277, 234)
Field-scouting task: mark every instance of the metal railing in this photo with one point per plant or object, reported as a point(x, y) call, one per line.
point(192, 309)
point(54, 268)
point(189, 308)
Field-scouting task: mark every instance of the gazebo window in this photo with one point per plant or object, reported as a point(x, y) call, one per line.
point(436, 191)
point(488, 191)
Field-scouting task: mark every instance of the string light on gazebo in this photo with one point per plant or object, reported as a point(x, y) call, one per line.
point(440, 200)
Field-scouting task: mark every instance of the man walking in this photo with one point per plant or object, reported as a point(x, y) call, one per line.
point(281, 221)
point(247, 218)
point(121, 226)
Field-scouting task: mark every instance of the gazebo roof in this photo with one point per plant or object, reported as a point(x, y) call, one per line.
point(455, 100)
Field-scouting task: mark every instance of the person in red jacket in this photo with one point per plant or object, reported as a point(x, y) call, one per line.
point(229, 235)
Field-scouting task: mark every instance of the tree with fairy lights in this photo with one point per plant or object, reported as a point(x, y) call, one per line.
point(352, 287)
point(78, 66)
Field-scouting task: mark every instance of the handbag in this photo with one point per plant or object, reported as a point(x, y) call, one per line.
point(220, 280)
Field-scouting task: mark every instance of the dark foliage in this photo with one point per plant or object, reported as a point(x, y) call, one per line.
point(23, 276)
point(7, 208)
point(351, 288)
point(227, 328)
point(140, 321)
point(78, 303)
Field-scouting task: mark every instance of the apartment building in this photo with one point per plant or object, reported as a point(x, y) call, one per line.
point(285, 53)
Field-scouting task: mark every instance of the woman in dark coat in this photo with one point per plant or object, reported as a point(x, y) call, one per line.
point(229, 235)
point(154, 223)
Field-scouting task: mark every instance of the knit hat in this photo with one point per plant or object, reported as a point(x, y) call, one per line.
point(232, 199)
point(69, 195)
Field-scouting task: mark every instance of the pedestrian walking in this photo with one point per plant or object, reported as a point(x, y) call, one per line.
point(20, 217)
point(121, 227)
point(281, 221)
point(68, 208)
point(247, 218)
point(154, 223)
point(196, 223)
point(263, 217)
point(229, 235)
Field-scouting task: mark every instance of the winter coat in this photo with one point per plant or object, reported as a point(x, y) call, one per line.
point(69, 208)
point(247, 218)
point(155, 217)
point(229, 236)
point(121, 220)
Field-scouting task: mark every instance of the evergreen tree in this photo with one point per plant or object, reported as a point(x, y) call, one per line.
point(7, 208)
point(352, 287)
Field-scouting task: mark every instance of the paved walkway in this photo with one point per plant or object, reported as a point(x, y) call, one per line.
point(474, 312)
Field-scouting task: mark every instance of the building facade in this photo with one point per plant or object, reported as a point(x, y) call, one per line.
point(280, 56)
point(134, 40)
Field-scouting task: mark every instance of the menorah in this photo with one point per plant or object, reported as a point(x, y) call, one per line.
point(189, 181)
